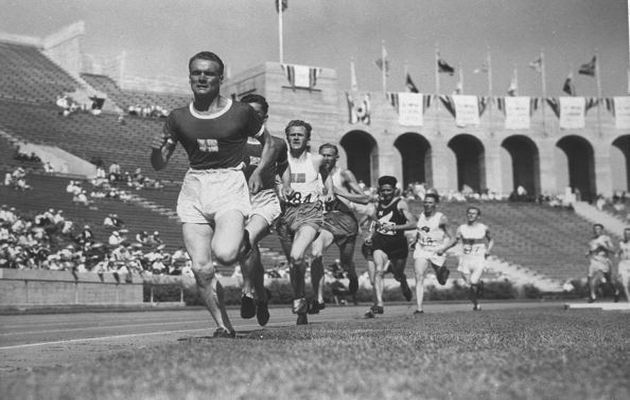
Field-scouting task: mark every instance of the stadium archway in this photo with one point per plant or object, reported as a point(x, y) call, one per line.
point(415, 152)
point(581, 165)
point(362, 155)
point(471, 168)
point(620, 163)
point(525, 163)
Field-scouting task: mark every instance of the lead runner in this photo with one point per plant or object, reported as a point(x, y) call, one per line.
point(214, 199)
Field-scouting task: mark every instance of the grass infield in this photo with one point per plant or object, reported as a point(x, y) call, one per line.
point(507, 354)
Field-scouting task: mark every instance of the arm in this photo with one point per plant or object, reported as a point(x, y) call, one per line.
point(283, 169)
point(354, 194)
point(266, 158)
point(329, 189)
point(411, 219)
point(162, 146)
point(450, 239)
point(490, 242)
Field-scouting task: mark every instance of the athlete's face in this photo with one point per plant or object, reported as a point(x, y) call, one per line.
point(472, 215)
point(429, 204)
point(259, 110)
point(205, 77)
point(386, 193)
point(297, 137)
point(597, 230)
point(329, 156)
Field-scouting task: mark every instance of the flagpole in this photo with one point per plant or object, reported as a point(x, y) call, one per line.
point(599, 93)
point(279, 2)
point(461, 78)
point(489, 63)
point(544, 90)
point(437, 88)
point(354, 86)
point(384, 67)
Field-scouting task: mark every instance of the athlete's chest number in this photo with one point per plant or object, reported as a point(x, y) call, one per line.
point(208, 145)
point(296, 198)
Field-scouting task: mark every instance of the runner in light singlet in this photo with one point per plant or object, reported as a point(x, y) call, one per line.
point(391, 218)
point(214, 199)
point(432, 238)
point(600, 248)
point(476, 246)
point(265, 210)
point(623, 269)
point(302, 214)
point(340, 225)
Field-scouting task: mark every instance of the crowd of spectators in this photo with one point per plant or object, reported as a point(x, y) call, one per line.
point(22, 155)
point(148, 111)
point(49, 241)
point(69, 106)
point(115, 176)
point(16, 179)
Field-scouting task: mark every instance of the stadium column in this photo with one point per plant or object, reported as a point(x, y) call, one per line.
point(493, 170)
point(550, 165)
point(603, 169)
point(443, 166)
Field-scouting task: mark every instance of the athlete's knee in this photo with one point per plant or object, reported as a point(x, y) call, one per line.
point(204, 273)
point(380, 273)
point(226, 256)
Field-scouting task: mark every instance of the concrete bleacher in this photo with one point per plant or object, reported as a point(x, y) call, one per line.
point(91, 137)
point(29, 75)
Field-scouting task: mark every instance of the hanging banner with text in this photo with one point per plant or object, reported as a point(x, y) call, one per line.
point(410, 111)
point(517, 112)
point(622, 112)
point(466, 110)
point(572, 112)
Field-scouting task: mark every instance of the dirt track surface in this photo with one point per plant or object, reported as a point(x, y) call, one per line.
point(31, 342)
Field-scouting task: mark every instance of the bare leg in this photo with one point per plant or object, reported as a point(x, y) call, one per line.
point(380, 261)
point(197, 239)
point(420, 266)
point(319, 245)
point(251, 264)
point(297, 267)
point(398, 269)
point(346, 256)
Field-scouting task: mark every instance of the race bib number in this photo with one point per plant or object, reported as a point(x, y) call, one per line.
point(208, 145)
point(296, 198)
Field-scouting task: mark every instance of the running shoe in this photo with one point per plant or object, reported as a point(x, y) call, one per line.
point(591, 300)
point(262, 313)
point(418, 312)
point(302, 319)
point(369, 314)
point(300, 306)
point(223, 333)
point(377, 309)
point(616, 296)
point(248, 307)
point(404, 286)
point(442, 274)
point(315, 307)
point(476, 307)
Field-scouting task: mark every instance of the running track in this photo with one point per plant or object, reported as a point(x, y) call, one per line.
point(40, 341)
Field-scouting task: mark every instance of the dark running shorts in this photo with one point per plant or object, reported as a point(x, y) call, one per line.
point(343, 226)
point(366, 250)
point(293, 217)
point(394, 246)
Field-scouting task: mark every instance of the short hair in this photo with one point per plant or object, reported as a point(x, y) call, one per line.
point(600, 225)
point(299, 122)
point(258, 99)
point(210, 56)
point(329, 146)
point(387, 180)
point(474, 208)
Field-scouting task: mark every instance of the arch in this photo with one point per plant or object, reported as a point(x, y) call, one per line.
point(470, 155)
point(525, 162)
point(620, 163)
point(415, 151)
point(581, 165)
point(362, 155)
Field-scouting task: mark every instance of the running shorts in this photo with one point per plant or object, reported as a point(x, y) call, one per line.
point(473, 266)
point(430, 255)
point(266, 204)
point(623, 269)
point(293, 217)
point(207, 193)
point(343, 226)
point(394, 246)
point(599, 264)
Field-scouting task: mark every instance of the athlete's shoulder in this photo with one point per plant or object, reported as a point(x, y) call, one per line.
point(280, 143)
point(178, 113)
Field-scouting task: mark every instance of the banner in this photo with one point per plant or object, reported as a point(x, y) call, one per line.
point(301, 76)
point(517, 112)
point(572, 112)
point(622, 112)
point(410, 109)
point(466, 110)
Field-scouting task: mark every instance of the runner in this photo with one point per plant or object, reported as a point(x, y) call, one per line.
point(340, 225)
point(623, 269)
point(265, 210)
point(432, 236)
point(388, 243)
point(600, 248)
point(302, 214)
point(214, 199)
point(476, 246)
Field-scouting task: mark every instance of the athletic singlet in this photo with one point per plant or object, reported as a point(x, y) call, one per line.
point(473, 239)
point(392, 215)
point(253, 151)
point(213, 141)
point(624, 250)
point(430, 235)
point(598, 248)
point(305, 180)
point(338, 203)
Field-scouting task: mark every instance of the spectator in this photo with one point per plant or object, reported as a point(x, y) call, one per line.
point(155, 239)
point(115, 173)
point(112, 221)
point(142, 237)
point(48, 168)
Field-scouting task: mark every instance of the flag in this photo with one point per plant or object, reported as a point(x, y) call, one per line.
point(459, 87)
point(568, 86)
point(513, 89)
point(589, 67)
point(354, 86)
point(383, 63)
point(410, 85)
point(443, 67)
point(285, 5)
point(481, 70)
point(536, 65)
